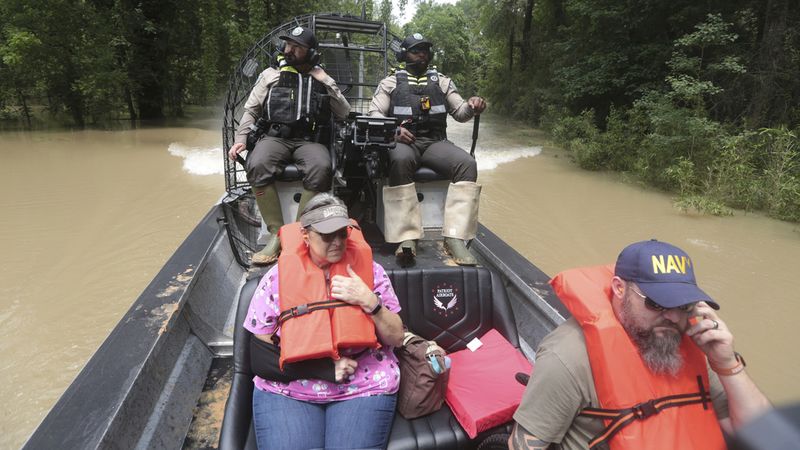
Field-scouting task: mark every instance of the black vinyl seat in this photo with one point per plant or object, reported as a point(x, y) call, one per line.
point(425, 174)
point(451, 305)
point(290, 173)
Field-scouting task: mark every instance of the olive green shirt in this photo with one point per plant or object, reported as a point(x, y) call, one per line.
point(562, 385)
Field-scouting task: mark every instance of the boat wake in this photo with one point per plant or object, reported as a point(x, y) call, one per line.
point(198, 160)
point(490, 159)
point(206, 161)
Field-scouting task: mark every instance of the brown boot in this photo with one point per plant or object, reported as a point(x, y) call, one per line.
point(269, 205)
point(461, 220)
point(457, 248)
point(305, 196)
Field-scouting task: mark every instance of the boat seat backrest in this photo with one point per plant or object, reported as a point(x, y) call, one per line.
point(237, 427)
point(453, 305)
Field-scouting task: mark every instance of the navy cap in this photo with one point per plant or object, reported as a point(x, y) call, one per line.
point(301, 35)
point(663, 272)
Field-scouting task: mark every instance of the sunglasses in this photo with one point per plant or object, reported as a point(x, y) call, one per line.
point(653, 306)
point(341, 233)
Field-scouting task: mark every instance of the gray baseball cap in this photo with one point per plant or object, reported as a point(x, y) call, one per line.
point(326, 219)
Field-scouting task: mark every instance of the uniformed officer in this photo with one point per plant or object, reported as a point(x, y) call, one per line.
point(284, 121)
point(421, 98)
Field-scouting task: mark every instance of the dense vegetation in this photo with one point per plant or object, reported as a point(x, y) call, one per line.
point(697, 98)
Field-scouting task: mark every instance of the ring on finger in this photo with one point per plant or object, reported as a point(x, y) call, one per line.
point(716, 325)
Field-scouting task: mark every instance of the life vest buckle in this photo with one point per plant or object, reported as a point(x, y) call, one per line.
point(299, 310)
point(645, 409)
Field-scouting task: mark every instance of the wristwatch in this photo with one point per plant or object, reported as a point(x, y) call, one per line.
point(377, 307)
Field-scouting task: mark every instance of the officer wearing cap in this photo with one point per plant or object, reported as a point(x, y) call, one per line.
point(285, 121)
point(421, 98)
point(644, 362)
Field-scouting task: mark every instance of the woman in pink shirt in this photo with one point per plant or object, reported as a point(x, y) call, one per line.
point(354, 407)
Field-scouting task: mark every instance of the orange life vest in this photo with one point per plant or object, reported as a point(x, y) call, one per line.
point(313, 325)
point(675, 412)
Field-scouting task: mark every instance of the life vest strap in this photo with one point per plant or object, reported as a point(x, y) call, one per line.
point(306, 308)
point(622, 417)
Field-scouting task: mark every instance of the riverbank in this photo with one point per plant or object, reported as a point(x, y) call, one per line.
point(710, 167)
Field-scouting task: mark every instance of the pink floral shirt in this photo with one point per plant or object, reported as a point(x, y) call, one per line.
point(377, 372)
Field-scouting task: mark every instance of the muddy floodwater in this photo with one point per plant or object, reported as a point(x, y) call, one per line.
point(87, 218)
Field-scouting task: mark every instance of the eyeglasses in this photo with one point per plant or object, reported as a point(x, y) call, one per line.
point(341, 233)
point(417, 51)
point(653, 306)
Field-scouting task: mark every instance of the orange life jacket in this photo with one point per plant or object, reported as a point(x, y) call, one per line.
point(313, 325)
point(676, 412)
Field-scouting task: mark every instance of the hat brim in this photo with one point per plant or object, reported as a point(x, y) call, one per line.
point(673, 295)
point(330, 225)
point(286, 37)
point(425, 43)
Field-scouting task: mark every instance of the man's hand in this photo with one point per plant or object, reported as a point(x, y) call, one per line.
point(478, 104)
point(343, 368)
point(404, 136)
point(318, 73)
point(713, 337)
point(235, 150)
point(353, 290)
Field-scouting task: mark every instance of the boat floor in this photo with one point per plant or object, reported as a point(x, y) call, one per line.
point(208, 413)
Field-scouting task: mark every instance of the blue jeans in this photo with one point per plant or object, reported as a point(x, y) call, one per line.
point(284, 423)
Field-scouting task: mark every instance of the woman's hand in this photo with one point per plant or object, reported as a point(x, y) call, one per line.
point(343, 368)
point(353, 290)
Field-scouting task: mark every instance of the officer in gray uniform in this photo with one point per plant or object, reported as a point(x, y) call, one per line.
point(421, 98)
point(283, 122)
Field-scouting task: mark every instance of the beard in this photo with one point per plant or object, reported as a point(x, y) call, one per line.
point(660, 352)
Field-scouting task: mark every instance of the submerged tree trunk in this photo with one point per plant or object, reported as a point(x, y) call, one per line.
point(25, 110)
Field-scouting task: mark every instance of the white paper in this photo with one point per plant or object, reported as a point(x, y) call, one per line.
point(474, 344)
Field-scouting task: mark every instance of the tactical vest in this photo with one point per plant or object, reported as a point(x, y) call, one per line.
point(641, 410)
point(421, 100)
point(314, 325)
point(298, 101)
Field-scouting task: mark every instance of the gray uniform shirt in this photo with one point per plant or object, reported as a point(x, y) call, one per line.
point(253, 108)
point(562, 384)
point(456, 105)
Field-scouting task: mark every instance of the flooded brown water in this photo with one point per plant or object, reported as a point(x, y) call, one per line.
point(89, 217)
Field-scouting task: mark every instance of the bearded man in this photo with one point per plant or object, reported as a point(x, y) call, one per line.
point(644, 362)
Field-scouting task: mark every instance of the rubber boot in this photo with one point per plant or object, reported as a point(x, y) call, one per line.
point(304, 198)
point(407, 249)
point(402, 220)
point(461, 220)
point(269, 205)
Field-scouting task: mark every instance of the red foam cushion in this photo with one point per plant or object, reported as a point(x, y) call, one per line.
point(482, 390)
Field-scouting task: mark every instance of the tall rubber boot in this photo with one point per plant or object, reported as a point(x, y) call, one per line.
point(269, 205)
point(304, 198)
point(402, 219)
point(461, 220)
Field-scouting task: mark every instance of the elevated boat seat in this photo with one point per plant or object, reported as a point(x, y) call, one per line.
point(290, 173)
point(451, 305)
point(426, 174)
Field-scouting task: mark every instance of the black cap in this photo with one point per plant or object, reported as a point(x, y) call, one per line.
point(301, 35)
point(413, 41)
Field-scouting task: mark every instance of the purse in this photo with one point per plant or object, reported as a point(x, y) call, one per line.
point(424, 371)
